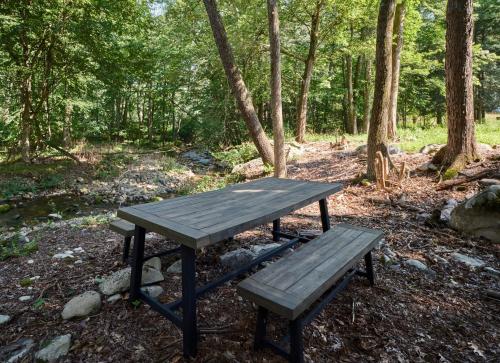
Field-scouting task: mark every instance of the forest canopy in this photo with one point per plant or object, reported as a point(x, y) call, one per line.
point(149, 72)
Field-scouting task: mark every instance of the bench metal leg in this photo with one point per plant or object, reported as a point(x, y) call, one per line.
point(137, 260)
point(325, 218)
point(260, 331)
point(370, 274)
point(296, 341)
point(276, 230)
point(126, 248)
point(189, 330)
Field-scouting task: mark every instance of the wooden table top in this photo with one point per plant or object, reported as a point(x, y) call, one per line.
point(207, 218)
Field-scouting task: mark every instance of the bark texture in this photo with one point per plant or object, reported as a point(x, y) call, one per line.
point(397, 47)
point(306, 78)
point(238, 87)
point(461, 146)
point(367, 96)
point(377, 136)
point(351, 115)
point(276, 105)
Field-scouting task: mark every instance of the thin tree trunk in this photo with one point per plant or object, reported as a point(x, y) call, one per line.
point(377, 136)
point(351, 120)
point(276, 105)
point(67, 124)
point(399, 19)
point(461, 147)
point(238, 87)
point(306, 78)
point(367, 95)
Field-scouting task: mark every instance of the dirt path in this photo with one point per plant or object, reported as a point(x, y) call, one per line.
point(438, 315)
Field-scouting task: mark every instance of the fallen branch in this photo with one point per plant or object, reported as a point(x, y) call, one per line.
point(64, 152)
point(451, 183)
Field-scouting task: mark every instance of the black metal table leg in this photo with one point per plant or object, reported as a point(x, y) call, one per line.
point(296, 342)
point(189, 330)
point(370, 274)
point(325, 218)
point(126, 248)
point(276, 230)
point(260, 331)
point(137, 259)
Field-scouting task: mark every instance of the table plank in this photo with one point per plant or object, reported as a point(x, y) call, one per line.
point(208, 218)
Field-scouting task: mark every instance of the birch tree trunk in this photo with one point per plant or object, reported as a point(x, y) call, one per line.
point(276, 105)
point(238, 87)
point(377, 135)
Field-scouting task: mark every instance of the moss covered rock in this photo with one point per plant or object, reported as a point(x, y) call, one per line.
point(4, 208)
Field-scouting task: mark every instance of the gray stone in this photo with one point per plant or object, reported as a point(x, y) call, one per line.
point(251, 169)
point(468, 260)
point(261, 249)
point(237, 258)
point(4, 319)
point(114, 298)
point(447, 209)
point(153, 291)
point(57, 348)
point(479, 215)
point(16, 352)
point(437, 258)
point(431, 149)
point(488, 182)
point(392, 149)
point(64, 255)
point(428, 166)
point(55, 216)
point(82, 305)
point(419, 265)
point(25, 298)
point(491, 271)
point(119, 281)
point(154, 262)
point(175, 268)
point(386, 260)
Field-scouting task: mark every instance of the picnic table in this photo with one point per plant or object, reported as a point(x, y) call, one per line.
point(209, 218)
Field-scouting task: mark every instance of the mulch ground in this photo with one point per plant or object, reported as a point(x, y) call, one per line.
point(408, 316)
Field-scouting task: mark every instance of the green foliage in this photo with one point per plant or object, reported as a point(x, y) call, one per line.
point(450, 174)
point(171, 165)
point(4, 208)
point(25, 282)
point(209, 182)
point(111, 165)
point(237, 155)
point(15, 186)
point(15, 248)
point(39, 303)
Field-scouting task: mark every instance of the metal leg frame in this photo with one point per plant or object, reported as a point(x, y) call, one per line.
point(137, 260)
point(276, 230)
point(126, 248)
point(325, 218)
point(295, 353)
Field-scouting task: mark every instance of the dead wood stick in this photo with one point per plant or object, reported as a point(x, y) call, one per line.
point(451, 183)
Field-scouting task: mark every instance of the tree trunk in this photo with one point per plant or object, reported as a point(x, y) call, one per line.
point(351, 118)
point(377, 135)
point(461, 146)
point(67, 124)
point(399, 19)
point(306, 78)
point(238, 87)
point(276, 105)
point(367, 95)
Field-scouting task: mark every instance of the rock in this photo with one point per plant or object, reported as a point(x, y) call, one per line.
point(392, 149)
point(80, 180)
point(390, 253)
point(431, 149)
point(419, 265)
point(428, 166)
point(467, 260)
point(63, 255)
point(479, 215)
point(491, 271)
point(251, 169)
point(58, 347)
point(17, 351)
point(82, 305)
point(175, 268)
point(25, 298)
point(55, 216)
point(119, 281)
point(114, 298)
point(484, 148)
point(437, 258)
point(237, 258)
point(447, 209)
point(78, 250)
point(386, 260)
point(153, 291)
point(361, 150)
point(294, 151)
point(423, 216)
point(30, 262)
point(4, 319)
point(488, 182)
point(261, 249)
point(4, 208)
point(154, 262)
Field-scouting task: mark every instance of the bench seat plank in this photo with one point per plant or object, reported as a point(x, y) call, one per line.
point(290, 285)
point(122, 227)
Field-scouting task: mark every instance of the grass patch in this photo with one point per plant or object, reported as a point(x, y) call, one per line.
point(16, 248)
point(209, 182)
point(111, 165)
point(25, 282)
point(16, 185)
point(237, 155)
point(172, 166)
point(93, 221)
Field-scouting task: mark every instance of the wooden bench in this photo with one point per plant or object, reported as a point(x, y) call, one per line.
point(319, 270)
point(126, 229)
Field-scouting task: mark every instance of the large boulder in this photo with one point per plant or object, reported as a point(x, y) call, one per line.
point(251, 169)
point(119, 281)
point(479, 215)
point(82, 305)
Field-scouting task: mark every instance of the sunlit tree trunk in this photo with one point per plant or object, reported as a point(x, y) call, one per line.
point(461, 146)
point(399, 19)
point(377, 135)
point(238, 87)
point(367, 96)
point(306, 77)
point(276, 105)
point(351, 116)
point(68, 110)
